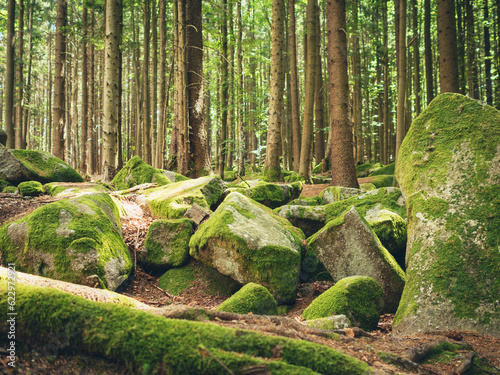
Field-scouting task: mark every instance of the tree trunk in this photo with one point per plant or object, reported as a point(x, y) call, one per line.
point(472, 80)
point(160, 141)
point(198, 163)
point(385, 62)
point(428, 51)
point(224, 93)
point(309, 90)
point(240, 133)
point(319, 149)
point(497, 91)
point(146, 108)
point(110, 94)
point(447, 41)
point(461, 45)
point(294, 84)
point(85, 94)
point(19, 108)
point(154, 99)
point(9, 77)
point(416, 57)
point(27, 110)
point(356, 69)
point(272, 166)
point(400, 127)
point(59, 81)
point(487, 55)
point(91, 144)
point(343, 169)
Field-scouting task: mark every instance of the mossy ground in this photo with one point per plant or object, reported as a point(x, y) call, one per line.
point(46, 167)
point(177, 281)
point(56, 189)
point(252, 298)
point(94, 224)
point(146, 343)
point(385, 170)
point(358, 297)
point(137, 172)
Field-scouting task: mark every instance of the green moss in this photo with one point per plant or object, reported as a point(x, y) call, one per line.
point(4, 184)
point(358, 297)
point(51, 231)
point(367, 168)
point(137, 172)
point(46, 167)
point(273, 195)
point(367, 186)
point(275, 266)
point(252, 298)
point(386, 170)
point(312, 201)
point(178, 281)
point(167, 243)
point(56, 189)
point(140, 340)
point(10, 189)
point(174, 200)
point(383, 181)
point(444, 352)
point(431, 208)
point(387, 197)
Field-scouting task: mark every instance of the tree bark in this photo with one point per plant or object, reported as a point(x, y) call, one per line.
point(309, 91)
point(400, 127)
point(447, 41)
point(472, 76)
point(154, 78)
point(240, 144)
point(294, 84)
point(416, 57)
point(160, 142)
point(198, 163)
point(224, 92)
point(27, 110)
point(385, 62)
point(110, 94)
point(20, 66)
point(356, 70)
point(273, 144)
point(85, 94)
point(343, 169)
point(319, 146)
point(487, 55)
point(428, 51)
point(91, 144)
point(59, 81)
point(146, 108)
point(9, 76)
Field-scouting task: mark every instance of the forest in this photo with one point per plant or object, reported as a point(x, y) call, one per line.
point(198, 86)
point(250, 186)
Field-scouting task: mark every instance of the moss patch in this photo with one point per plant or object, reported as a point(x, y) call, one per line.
point(46, 167)
point(357, 297)
point(272, 195)
point(252, 298)
point(385, 170)
point(137, 172)
point(57, 189)
point(76, 240)
point(147, 343)
point(30, 189)
point(181, 280)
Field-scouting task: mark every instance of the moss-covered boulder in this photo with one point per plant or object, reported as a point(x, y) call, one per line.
point(252, 298)
point(271, 195)
point(45, 167)
point(309, 219)
point(367, 186)
point(196, 276)
point(77, 240)
point(303, 201)
point(387, 170)
point(3, 137)
point(173, 200)
point(174, 176)
point(10, 189)
point(365, 169)
point(137, 172)
point(167, 244)
point(147, 343)
point(357, 297)
point(312, 219)
point(246, 241)
point(382, 180)
point(62, 189)
point(11, 169)
point(30, 189)
point(338, 193)
point(347, 246)
point(390, 229)
point(449, 171)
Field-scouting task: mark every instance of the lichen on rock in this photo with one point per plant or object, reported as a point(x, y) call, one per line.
point(450, 176)
point(246, 241)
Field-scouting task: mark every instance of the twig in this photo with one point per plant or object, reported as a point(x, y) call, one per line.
point(202, 347)
point(164, 291)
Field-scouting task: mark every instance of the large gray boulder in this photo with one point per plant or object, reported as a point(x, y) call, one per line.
point(77, 240)
point(246, 241)
point(269, 194)
point(11, 169)
point(347, 246)
point(449, 170)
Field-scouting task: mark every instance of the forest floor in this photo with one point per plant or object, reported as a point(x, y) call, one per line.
point(144, 287)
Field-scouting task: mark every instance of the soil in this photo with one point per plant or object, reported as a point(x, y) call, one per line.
point(143, 286)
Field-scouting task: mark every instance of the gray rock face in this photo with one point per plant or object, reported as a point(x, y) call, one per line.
point(309, 219)
point(347, 246)
point(338, 193)
point(449, 171)
point(268, 194)
point(197, 214)
point(247, 242)
point(11, 169)
point(3, 137)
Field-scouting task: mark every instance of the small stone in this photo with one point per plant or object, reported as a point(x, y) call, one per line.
point(197, 214)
